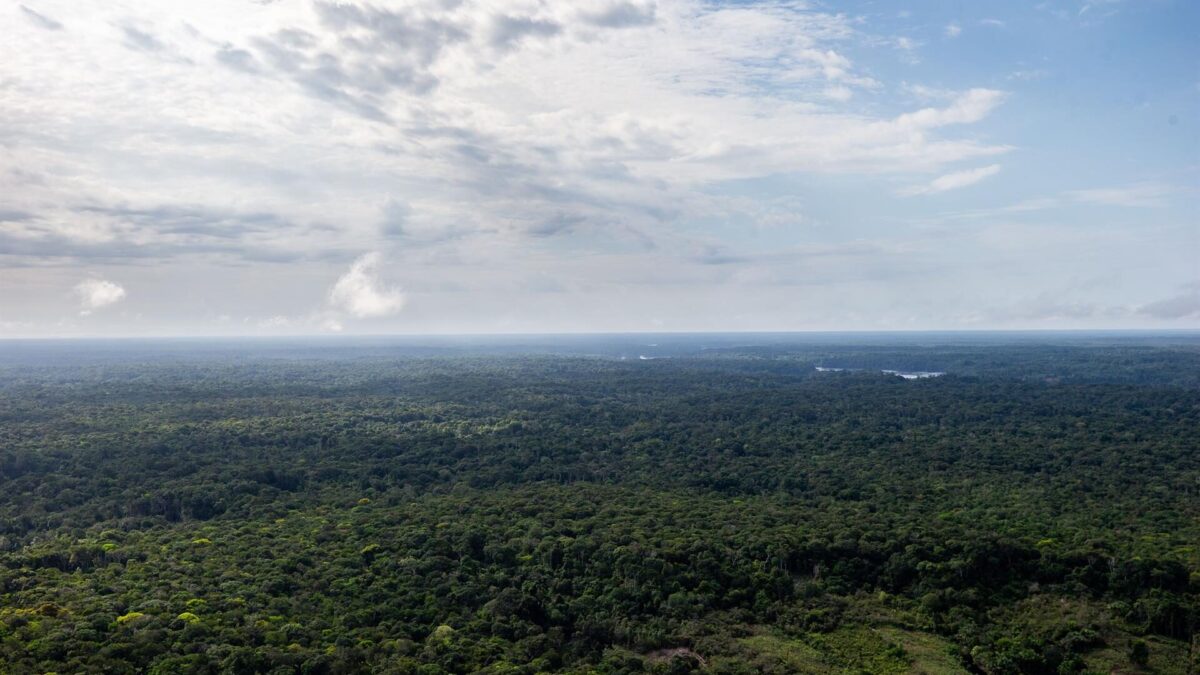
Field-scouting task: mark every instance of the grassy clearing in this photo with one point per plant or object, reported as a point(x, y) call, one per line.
point(929, 654)
point(882, 650)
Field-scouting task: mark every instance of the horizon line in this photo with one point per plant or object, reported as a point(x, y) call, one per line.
point(559, 334)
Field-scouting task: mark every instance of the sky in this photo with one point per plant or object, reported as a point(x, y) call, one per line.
point(293, 167)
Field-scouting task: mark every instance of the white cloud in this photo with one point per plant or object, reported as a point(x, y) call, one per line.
point(952, 181)
point(1144, 195)
point(492, 135)
point(926, 93)
point(953, 30)
point(908, 48)
point(971, 106)
point(839, 93)
point(1028, 75)
point(96, 293)
point(361, 293)
point(1139, 195)
point(474, 153)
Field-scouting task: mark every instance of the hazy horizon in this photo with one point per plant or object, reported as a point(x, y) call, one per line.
point(316, 333)
point(491, 167)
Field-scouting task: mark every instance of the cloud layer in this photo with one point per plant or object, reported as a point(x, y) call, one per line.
point(953, 181)
point(485, 118)
point(515, 164)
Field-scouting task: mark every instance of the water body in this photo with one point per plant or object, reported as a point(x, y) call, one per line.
point(906, 374)
point(914, 374)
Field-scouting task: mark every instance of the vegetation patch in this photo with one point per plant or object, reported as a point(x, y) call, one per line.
point(732, 513)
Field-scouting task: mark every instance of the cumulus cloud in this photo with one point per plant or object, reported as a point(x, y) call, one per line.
point(952, 181)
point(97, 293)
point(362, 294)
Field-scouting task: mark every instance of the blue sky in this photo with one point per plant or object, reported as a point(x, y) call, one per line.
point(300, 167)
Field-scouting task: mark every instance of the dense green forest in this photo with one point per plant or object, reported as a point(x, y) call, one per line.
point(709, 505)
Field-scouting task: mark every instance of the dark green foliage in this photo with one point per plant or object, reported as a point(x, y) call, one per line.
point(1033, 511)
point(1139, 652)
